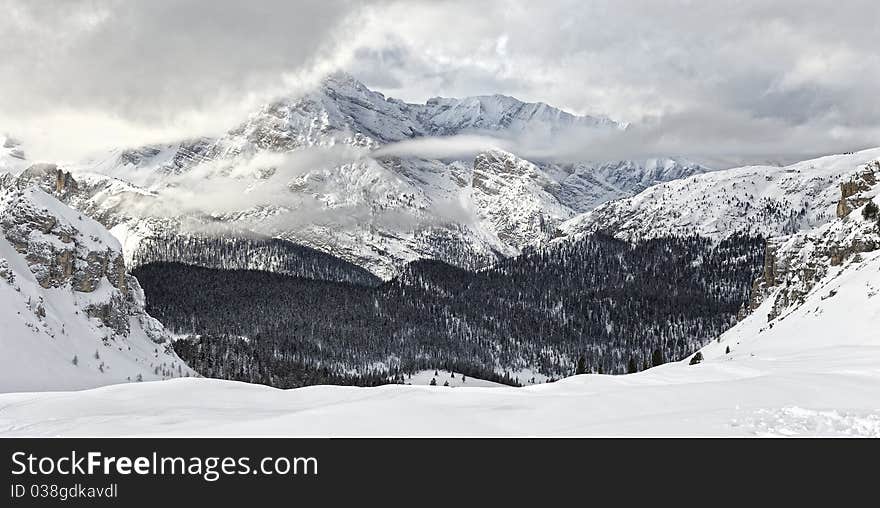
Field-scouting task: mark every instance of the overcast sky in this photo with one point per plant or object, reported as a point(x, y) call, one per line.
point(738, 80)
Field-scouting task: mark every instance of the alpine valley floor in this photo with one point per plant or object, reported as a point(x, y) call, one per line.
point(816, 372)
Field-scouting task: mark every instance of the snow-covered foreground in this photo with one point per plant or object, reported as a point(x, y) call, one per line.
point(455, 380)
point(824, 392)
point(816, 372)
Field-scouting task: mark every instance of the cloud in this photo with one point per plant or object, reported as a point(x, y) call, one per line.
point(341, 186)
point(445, 147)
point(735, 80)
point(111, 71)
point(752, 78)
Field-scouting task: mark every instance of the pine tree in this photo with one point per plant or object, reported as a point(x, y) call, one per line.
point(870, 211)
point(697, 358)
point(632, 368)
point(581, 366)
point(727, 352)
point(657, 358)
point(433, 381)
point(75, 360)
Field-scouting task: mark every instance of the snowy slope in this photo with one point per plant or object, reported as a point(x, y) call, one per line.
point(840, 316)
point(65, 294)
point(447, 116)
point(455, 380)
point(764, 200)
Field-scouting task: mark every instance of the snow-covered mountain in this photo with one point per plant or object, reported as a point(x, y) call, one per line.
point(815, 216)
point(765, 200)
point(71, 315)
point(302, 169)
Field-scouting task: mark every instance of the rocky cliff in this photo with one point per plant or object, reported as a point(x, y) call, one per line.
point(795, 264)
point(72, 316)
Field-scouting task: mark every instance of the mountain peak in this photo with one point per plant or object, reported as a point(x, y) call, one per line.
point(341, 79)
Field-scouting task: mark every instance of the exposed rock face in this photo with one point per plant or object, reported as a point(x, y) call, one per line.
point(794, 264)
point(516, 199)
point(56, 251)
point(851, 191)
point(65, 294)
point(50, 178)
point(63, 249)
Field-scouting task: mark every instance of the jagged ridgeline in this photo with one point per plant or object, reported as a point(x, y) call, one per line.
point(251, 253)
point(611, 306)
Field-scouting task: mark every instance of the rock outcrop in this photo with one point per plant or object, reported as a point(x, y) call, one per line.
point(72, 316)
point(63, 248)
point(851, 191)
point(795, 264)
point(56, 250)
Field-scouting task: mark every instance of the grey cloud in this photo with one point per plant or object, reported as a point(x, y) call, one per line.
point(753, 78)
point(104, 72)
point(148, 59)
point(756, 78)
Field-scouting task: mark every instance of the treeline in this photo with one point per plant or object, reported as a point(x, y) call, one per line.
point(255, 253)
point(593, 305)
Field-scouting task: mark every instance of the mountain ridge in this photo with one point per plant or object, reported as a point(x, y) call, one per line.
point(312, 156)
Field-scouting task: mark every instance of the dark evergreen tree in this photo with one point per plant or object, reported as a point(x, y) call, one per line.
point(631, 367)
point(657, 358)
point(581, 366)
point(870, 211)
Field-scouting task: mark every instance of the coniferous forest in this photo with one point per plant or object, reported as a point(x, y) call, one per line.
point(253, 253)
point(593, 305)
